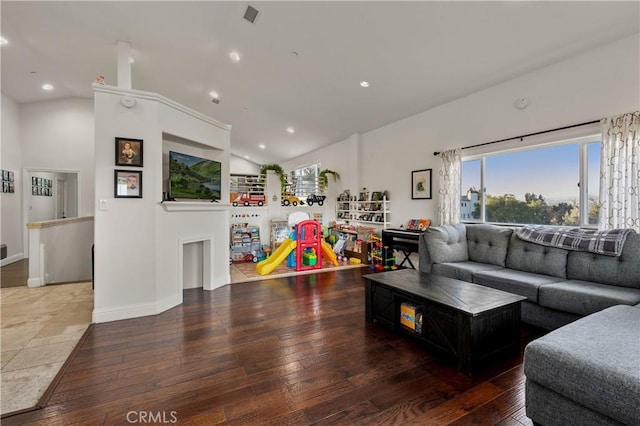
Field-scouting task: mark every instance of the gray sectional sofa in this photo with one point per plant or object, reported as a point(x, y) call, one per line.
point(560, 285)
point(583, 373)
point(586, 373)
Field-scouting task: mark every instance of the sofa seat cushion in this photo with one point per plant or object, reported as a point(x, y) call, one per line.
point(488, 243)
point(462, 270)
point(584, 298)
point(530, 257)
point(592, 361)
point(517, 282)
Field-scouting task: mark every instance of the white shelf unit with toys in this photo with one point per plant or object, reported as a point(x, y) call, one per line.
point(373, 211)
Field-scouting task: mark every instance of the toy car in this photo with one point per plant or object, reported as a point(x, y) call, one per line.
point(313, 198)
point(289, 199)
point(249, 199)
point(239, 258)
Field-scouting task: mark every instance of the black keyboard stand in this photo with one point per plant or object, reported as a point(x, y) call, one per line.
point(406, 252)
point(403, 241)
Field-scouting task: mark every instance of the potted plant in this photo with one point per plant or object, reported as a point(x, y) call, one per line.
point(323, 178)
point(278, 170)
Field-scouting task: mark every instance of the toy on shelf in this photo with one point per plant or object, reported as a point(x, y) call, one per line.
point(382, 257)
point(290, 199)
point(418, 224)
point(317, 199)
point(303, 249)
point(338, 248)
point(245, 243)
point(250, 199)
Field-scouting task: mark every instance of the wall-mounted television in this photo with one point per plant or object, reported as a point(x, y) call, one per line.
point(194, 177)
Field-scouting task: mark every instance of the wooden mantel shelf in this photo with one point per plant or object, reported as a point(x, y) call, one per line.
point(193, 206)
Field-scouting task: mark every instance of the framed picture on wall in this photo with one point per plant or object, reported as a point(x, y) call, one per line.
point(127, 184)
point(421, 184)
point(128, 152)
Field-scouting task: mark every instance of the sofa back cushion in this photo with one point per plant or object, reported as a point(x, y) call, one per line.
point(488, 243)
point(530, 257)
point(623, 270)
point(446, 243)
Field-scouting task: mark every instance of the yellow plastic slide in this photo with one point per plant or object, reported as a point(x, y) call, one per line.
point(327, 251)
point(266, 266)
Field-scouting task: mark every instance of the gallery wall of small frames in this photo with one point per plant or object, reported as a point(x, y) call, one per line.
point(8, 182)
point(41, 187)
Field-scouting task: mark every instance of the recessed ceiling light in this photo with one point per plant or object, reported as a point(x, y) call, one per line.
point(3, 41)
point(47, 86)
point(294, 54)
point(262, 146)
point(245, 109)
point(131, 60)
point(290, 130)
point(246, 157)
point(235, 56)
point(364, 83)
point(214, 94)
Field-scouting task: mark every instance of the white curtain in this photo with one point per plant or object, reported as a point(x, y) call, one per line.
point(449, 204)
point(620, 172)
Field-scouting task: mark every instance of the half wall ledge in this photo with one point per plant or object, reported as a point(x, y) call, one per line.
point(193, 206)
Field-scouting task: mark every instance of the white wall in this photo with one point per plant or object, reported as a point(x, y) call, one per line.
point(590, 86)
point(341, 157)
point(240, 166)
point(596, 84)
point(137, 242)
point(59, 135)
point(11, 231)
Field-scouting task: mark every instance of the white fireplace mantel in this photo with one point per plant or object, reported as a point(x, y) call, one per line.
point(193, 206)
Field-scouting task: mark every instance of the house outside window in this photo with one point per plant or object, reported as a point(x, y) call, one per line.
point(549, 185)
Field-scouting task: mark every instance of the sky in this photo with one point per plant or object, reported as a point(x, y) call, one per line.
point(552, 172)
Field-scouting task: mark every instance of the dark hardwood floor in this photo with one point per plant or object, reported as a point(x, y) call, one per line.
point(294, 350)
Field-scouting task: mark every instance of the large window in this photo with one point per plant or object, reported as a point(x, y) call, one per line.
point(552, 185)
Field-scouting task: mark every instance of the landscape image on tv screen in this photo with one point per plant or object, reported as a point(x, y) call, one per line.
point(194, 177)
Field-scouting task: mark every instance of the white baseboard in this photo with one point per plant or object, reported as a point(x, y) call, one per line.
point(118, 313)
point(168, 303)
point(34, 282)
point(11, 259)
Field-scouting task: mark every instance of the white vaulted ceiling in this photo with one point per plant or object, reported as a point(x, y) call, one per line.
point(416, 55)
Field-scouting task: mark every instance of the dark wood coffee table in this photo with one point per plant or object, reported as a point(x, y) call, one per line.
point(470, 322)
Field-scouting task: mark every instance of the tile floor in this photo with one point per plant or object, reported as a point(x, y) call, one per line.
point(40, 327)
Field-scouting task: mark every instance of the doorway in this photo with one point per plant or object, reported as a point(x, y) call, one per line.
point(48, 194)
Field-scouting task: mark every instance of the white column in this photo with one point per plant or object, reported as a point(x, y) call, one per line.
point(36, 259)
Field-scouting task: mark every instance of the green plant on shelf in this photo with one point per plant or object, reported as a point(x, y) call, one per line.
point(323, 178)
point(278, 171)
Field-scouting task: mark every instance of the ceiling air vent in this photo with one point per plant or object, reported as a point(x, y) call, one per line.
point(251, 14)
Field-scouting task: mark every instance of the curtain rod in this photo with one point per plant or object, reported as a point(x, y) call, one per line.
point(526, 136)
